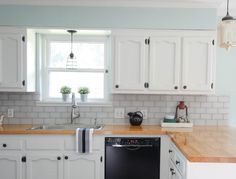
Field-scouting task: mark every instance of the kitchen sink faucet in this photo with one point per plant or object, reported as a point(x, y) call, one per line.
point(74, 110)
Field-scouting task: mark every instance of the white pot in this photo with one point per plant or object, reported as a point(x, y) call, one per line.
point(65, 97)
point(83, 97)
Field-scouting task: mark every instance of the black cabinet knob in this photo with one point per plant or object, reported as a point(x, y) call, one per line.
point(66, 157)
point(176, 87)
point(117, 86)
point(170, 151)
point(177, 162)
point(4, 145)
point(185, 87)
point(58, 158)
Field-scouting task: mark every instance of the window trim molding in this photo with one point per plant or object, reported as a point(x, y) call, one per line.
point(43, 67)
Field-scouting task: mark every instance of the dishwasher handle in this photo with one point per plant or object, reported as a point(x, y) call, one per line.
point(125, 146)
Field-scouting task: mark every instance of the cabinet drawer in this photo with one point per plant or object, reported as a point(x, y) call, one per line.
point(172, 152)
point(173, 172)
point(70, 144)
point(180, 163)
point(44, 144)
point(8, 144)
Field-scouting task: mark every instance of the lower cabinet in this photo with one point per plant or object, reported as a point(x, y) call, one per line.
point(63, 166)
point(82, 166)
point(10, 167)
point(173, 172)
point(48, 157)
point(44, 166)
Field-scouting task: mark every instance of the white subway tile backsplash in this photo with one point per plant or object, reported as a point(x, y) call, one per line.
point(203, 110)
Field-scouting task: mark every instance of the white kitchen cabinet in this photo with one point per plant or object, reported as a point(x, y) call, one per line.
point(10, 166)
point(44, 166)
point(17, 60)
point(198, 64)
point(48, 157)
point(173, 172)
point(164, 66)
point(11, 60)
point(130, 55)
point(164, 62)
point(85, 166)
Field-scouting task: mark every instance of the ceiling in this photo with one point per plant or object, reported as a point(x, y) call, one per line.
point(129, 3)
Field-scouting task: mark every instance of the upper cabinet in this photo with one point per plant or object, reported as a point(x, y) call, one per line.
point(164, 62)
point(130, 54)
point(17, 63)
point(198, 63)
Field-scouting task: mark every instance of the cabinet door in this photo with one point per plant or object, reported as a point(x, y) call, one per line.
point(10, 167)
point(11, 62)
point(85, 166)
point(130, 56)
point(198, 62)
point(164, 63)
point(44, 167)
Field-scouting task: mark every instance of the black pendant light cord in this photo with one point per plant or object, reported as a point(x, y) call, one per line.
point(71, 42)
point(227, 7)
point(227, 17)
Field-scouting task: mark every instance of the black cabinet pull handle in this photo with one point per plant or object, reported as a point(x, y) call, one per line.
point(177, 162)
point(185, 87)
point(4, 145)
point(176, 87)
point(172, 171)
point(170, 151)
point(117, 86)
point(58, 158)
point(66, 157)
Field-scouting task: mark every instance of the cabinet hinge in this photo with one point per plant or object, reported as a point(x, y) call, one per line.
point(23, 38)
point(23, 82)
point(23, 159)
point(212, 85)
point(101, 159)
point(213, 42)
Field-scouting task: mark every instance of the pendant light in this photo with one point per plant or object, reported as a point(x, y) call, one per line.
point(227, 31)
point(71, 62)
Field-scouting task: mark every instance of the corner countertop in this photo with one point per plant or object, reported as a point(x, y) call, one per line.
point(198, 144)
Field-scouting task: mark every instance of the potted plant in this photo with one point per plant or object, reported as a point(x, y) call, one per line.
point(83, 91)
point(65, 91)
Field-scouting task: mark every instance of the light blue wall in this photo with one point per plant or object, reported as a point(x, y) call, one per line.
point(144, 18)
point(107, 17)
point(226, 78)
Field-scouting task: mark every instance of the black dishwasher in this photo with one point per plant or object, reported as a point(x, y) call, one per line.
point(132, 158)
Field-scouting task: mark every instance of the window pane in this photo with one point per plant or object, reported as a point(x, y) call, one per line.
point(88, 54)
point(95, 82)
point(59, 52)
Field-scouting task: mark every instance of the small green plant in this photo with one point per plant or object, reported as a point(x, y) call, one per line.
point(65, 90)
point(83, 90)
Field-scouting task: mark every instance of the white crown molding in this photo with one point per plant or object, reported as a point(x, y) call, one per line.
point(120, 3)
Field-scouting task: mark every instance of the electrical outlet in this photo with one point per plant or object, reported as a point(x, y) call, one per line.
point(119, 113)
point(145, 113)
point(10, 113)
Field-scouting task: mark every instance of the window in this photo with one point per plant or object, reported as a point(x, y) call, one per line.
point(91, 53)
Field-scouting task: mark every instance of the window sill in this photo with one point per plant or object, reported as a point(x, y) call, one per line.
point(60, 103)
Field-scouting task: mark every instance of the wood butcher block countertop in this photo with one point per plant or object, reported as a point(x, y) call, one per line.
point(198, 144)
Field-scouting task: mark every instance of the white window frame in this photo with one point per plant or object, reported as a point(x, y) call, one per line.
point(44, 69)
